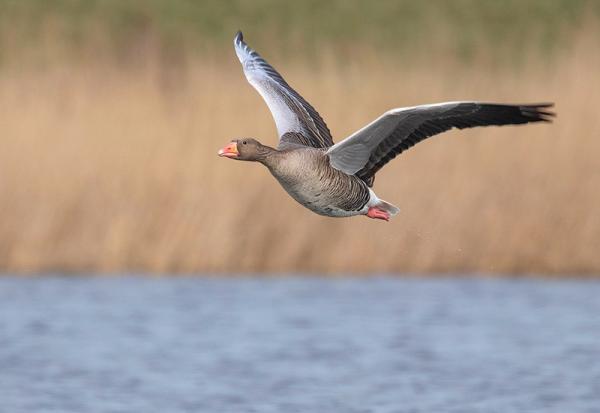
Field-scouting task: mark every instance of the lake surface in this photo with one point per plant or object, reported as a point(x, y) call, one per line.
point(135, 344)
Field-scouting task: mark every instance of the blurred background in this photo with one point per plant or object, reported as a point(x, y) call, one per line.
point(111, 113)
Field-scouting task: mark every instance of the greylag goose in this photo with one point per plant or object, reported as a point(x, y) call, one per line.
point(336, 179)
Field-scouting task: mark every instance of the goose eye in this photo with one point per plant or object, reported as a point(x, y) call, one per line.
point(244, 142)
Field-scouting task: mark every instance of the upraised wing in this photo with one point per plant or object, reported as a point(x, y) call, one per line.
point(367, 150)
point(296, 120)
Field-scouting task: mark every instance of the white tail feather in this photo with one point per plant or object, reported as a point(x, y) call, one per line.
point(387, 207)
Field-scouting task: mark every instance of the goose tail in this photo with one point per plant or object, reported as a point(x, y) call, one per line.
point(387, 207)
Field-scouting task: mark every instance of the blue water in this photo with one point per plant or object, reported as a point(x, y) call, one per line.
point(134, 344)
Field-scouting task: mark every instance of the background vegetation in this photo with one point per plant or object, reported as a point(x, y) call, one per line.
point(111, 113)
point(399, 27)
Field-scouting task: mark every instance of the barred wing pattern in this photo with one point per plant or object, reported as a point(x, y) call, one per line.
point(370, 148)
point(296, 120)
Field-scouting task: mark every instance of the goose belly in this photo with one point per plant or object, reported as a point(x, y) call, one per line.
point(344, 197)
point(323, 204)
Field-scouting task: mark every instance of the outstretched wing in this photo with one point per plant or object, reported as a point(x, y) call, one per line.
point(370, 148)
point(296, 120)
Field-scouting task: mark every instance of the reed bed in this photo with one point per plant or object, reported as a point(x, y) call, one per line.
point(109, 168)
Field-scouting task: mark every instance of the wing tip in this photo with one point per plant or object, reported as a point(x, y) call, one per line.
point(239, 38)
point(539, 112)
point(242, 50)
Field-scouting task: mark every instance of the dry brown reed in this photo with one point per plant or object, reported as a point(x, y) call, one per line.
point(112, 169)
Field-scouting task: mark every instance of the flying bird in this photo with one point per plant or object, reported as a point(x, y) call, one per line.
point(336, 180)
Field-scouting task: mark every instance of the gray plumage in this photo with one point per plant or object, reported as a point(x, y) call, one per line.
point(290, 111)
point(335, 180)
point(367, 150)
point(306, 175)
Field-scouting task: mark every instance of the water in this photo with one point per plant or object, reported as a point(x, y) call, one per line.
point(135, 344)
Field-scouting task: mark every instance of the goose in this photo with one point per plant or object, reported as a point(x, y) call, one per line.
point(336, 180)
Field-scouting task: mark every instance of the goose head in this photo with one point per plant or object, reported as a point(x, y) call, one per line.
point(246, 149)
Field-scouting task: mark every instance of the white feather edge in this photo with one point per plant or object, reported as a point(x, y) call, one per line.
point(285, 119)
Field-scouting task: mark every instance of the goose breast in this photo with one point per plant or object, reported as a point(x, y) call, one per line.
point(308, 178)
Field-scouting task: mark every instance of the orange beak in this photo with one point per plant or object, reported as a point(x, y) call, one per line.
point(229, 151)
